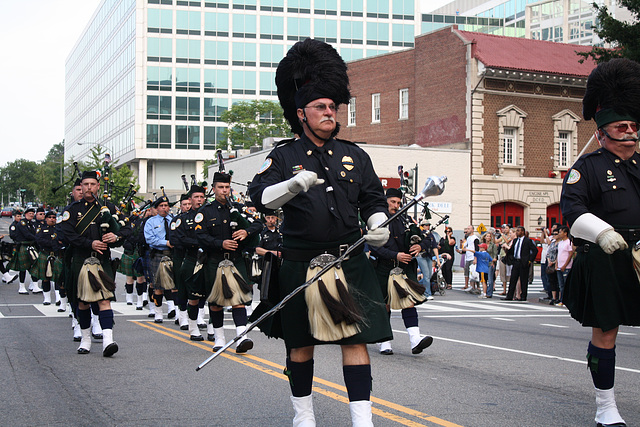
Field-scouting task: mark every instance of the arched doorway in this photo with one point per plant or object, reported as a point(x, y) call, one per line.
point(507, 213)
point(554, 215)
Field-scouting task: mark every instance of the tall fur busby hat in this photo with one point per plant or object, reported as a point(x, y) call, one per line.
point(312, 69)
point(613, 92)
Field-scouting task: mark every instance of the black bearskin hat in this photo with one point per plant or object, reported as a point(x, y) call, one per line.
point(312, 69)
point(613, 92)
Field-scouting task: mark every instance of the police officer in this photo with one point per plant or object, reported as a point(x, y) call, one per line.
point(82, 225)
point(323, 185)
point(22, 232)
point(191, 283)
point(397, 252)
point(49, 264)
point(157, 235)
point(270, 236)
point(177, 255)
point(601, 201)
point(221, 241)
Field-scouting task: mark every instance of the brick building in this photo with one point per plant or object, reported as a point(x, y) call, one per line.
point(516, 103)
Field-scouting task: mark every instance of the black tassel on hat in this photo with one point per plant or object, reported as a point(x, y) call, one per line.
point(613, 92)
point(312, 69)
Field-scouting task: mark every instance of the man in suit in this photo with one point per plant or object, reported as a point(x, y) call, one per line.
point(524, 252)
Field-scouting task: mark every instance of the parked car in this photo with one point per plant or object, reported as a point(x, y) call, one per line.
point(7, 212)
point(536, 240)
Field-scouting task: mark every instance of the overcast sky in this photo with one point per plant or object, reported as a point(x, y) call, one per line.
point(37, 36)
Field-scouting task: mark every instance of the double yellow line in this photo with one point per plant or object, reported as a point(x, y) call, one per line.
point(275, 370)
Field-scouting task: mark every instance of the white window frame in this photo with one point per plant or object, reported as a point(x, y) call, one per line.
point(351, 112)
point(511, 117)
point(375, 108)
point(509, 146)
point(564, 149)
point(403, 107)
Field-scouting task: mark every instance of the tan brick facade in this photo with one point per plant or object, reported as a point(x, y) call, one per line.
point(454, 99)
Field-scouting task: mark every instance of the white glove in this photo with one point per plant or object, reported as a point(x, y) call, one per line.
point(377, 236)
point(611, 241)
point(278, 194)
point(303, 181)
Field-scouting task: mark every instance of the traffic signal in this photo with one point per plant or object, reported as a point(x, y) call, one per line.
point(409, 178)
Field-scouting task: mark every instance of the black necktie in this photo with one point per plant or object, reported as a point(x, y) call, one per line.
point(166, 228)
point(327, 175)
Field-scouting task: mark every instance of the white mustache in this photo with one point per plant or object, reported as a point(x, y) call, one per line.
point(331, 119)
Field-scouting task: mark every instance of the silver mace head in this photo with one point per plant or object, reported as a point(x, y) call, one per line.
point(433, 187)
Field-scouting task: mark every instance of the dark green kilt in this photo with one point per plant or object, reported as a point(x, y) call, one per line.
point(363, 285)
point(193, 284)
point(20, 261)
point(602, 291)
point(41, 267)
point(126, 264)
point(178, 258)
point(76, 263)
point(210, 269)
point(383, 268)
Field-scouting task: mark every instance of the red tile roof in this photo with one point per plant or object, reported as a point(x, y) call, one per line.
point(528, 55)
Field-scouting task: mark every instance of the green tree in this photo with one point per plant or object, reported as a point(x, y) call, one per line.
point(622, 36)
point(16, 175)
point(53, 181)
point(249, 122)
point(120, 177)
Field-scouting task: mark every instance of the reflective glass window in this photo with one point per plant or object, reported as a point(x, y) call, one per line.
point(216, 52)
point(216, 24)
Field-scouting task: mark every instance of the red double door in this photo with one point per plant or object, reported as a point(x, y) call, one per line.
point(513, 213)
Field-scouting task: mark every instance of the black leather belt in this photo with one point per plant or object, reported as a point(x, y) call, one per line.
point(163, 252)
point(630, 235)
point(306, 255)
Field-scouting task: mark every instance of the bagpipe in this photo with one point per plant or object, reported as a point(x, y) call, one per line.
point(433, 187)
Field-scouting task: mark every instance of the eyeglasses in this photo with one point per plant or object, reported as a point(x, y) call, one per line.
point(622, 127)
point(321, 108)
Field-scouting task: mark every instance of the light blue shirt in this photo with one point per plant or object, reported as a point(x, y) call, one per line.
point(154, 232)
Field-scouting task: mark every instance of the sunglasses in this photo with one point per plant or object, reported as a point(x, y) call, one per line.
point(622, 127)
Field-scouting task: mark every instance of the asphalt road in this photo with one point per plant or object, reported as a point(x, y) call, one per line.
point(491, 364)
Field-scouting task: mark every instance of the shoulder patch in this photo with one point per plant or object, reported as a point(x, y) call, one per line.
point(58, 220)
point(265, 165)
point(574, 176)
point(199, 217)
point(178, 222)
point(65, 215)
point(23, 222)
point(13, 228)
point(173, 226)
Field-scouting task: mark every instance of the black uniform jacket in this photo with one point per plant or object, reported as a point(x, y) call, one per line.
point(329, 211)
point(604, 185)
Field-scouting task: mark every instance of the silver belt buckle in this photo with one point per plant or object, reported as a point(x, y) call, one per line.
point(342, 249)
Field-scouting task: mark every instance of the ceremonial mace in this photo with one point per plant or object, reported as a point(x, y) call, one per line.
point(433, 187)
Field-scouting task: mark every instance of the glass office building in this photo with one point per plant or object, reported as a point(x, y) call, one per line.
point(149, 79)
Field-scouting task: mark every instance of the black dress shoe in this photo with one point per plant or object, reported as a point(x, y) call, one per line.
point(83, 351)
point(96, 336)
point(196, 338)
point(506, 299)
point(138, 308)
point(386, 352)
point(77, 339)
point(151, 315)
point(145, 303)
point(184, 327)
point(611, 425)
point(211, 337)
point(110, 350)
point(46, 303)
point(62, 310)
point(202, 326)
point(157, 321)
point(14, 278)
point(244, 346)
point(424, 343)
point(58, 303)
point(171, 314)
point(215, 349)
